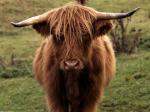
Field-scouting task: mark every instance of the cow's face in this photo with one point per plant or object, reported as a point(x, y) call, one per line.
point(72, 54)
point(72, 29)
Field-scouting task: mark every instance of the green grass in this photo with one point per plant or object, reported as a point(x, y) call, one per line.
point(130, 89)
point(21, 95)
point(23, 45)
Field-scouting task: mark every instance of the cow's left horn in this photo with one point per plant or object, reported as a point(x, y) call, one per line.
point(32, 20)
point(108, 16)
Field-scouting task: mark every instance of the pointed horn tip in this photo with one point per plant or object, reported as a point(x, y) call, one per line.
point(19, 24)
point(133, 11)
point(15, 24)
point(136, 9)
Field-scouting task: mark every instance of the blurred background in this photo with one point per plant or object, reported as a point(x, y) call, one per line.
point(130, 89)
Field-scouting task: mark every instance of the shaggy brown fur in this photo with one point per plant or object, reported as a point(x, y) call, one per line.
point(73, 32)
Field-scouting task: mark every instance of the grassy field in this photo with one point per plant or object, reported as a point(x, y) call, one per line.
point(19, 92)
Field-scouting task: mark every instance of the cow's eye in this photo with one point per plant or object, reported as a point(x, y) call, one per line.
point(58, 39)
point(86, 37)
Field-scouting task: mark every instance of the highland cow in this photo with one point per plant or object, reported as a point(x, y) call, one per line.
point(75, 61)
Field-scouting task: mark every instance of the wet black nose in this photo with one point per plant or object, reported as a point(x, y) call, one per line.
point(71, 64)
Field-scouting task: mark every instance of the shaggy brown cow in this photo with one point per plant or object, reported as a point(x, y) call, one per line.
point(76, 60)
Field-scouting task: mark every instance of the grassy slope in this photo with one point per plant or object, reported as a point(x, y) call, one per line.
point(21, 95)
point(129, 91)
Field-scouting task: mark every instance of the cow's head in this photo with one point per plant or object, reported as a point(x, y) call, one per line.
point(72, 29)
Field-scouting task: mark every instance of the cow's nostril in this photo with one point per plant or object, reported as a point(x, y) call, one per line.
point(71, 63)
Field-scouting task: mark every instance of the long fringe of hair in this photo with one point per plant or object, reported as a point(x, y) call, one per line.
point(71, 22)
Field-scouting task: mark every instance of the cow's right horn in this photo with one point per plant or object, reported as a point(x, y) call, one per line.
point(108, 16)
point(32, 20)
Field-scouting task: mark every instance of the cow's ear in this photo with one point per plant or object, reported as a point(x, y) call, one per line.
point(43, 28)
point(102, 27)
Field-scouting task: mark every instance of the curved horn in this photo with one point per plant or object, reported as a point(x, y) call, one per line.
point(32, 20)
point(108, 16)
